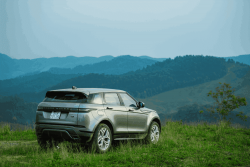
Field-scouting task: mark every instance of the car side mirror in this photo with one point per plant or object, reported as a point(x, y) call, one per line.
point(141, 104)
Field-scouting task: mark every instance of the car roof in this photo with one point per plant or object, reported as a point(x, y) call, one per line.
point(88, 91)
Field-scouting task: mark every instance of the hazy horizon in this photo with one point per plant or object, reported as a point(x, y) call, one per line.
point(120, 55)
point(159, 29)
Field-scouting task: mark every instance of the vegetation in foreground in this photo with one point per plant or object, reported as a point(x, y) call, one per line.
point(180, 144)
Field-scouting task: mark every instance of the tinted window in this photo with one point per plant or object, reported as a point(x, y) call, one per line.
point(112, 98)
point(95, 98)
point(127, 100)
point(55, 96)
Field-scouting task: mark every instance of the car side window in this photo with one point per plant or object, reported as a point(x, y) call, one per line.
point(97, 99)
point(127, 100)
point(112, 98)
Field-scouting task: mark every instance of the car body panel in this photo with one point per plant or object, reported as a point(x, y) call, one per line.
point(152, 114)
point(137, 120)
point(69, 113)
point(88, 119)
point(77, 134)
point(118, 115)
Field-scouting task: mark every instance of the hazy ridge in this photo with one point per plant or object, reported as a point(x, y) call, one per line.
point(11, 68)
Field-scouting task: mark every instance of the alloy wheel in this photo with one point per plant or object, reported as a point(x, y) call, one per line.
point(103, 138)
point(154, 134)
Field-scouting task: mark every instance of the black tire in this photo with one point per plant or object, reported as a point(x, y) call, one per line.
point(105, 143)
point(154, 129)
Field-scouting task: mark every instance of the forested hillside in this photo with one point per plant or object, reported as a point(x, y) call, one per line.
point(160, 77)
point(34, 83)
point(15, 110)
point(39, 81)
point(190, 114)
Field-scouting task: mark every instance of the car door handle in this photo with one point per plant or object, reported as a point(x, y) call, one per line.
point(130, 110)
point(109, 108)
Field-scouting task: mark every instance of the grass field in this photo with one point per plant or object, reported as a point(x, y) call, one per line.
point(180, 144)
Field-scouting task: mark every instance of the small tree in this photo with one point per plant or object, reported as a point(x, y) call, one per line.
point(226, 104)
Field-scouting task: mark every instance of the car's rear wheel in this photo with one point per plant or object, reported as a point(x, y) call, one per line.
point(153, 133)
point(102, 139)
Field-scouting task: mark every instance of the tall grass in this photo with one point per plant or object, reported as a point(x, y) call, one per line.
point(180, 144)
point(16, 133)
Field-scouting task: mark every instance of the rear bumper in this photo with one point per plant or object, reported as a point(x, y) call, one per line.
point(63, 132)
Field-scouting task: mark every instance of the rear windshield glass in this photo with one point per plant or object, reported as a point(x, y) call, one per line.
point(74, 97)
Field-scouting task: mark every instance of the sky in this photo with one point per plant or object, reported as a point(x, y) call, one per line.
point(157, 28)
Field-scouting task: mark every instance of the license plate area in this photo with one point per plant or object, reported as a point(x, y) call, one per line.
point(55, 115)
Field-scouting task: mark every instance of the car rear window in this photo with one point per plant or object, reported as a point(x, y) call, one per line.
point(74, 97)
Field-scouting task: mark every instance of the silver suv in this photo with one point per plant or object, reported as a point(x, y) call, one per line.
point(94, 117)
